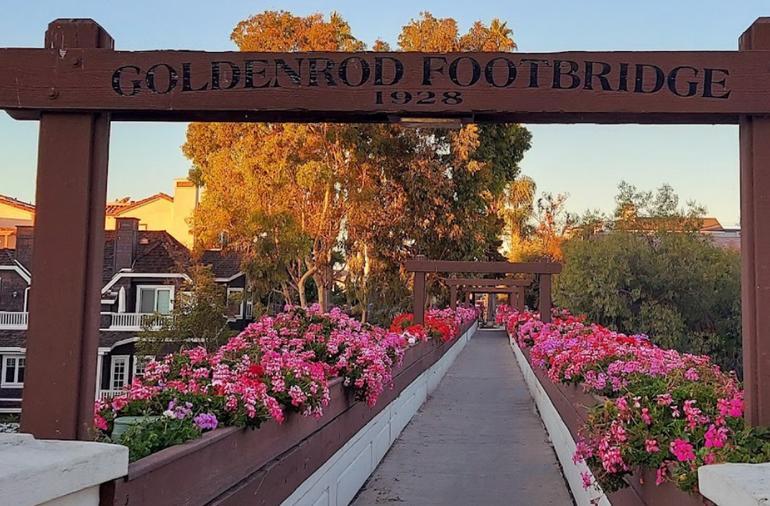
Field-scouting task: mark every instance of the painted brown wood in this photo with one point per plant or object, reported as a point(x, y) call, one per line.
point(600, 87)
point(488, 289)
point(423, 265)
point(755, 246)
point(487, 282)
point(545, 303)
point(63, 337)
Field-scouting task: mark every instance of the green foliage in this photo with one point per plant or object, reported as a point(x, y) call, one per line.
point(199, 318)
point(151, 436)
point(679, 288)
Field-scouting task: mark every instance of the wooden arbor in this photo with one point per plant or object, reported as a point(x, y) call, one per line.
point(77, 84)
point(420, 266)
point(513, 287)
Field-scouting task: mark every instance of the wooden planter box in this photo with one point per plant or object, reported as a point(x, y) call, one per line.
point(263, 466)
point(573, 404)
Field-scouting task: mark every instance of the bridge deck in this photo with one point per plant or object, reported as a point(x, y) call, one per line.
point(477, 441)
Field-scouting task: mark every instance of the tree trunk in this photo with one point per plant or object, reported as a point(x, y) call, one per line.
point(301, 286)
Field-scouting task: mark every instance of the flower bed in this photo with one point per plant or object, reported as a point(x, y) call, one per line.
point(275, 366)
point(653, 409)
point(231, 465)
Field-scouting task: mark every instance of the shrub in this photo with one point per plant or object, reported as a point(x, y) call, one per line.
point(678, 288)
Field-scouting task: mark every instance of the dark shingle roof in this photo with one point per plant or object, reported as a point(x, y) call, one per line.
point(7, 256)
point(12, 338)
point(225, 264)
point(156, 251)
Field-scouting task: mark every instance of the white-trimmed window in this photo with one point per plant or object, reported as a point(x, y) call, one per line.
point(249, 308)
point(13, 371)
point(140, 362)
point(119, 372)
point(154, 299)
point(235, 303)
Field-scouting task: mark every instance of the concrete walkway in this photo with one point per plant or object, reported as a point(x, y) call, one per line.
point(477, 441)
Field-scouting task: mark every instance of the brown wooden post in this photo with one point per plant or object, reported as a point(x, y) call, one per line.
point(418, 308)
point(544, 305)
point(453, 297)
point(520, 298)
point(755, 246)
point(63, 335)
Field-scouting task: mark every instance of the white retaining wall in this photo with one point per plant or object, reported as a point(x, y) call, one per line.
point(56, 473)
point(560, 436)
point(338, 480)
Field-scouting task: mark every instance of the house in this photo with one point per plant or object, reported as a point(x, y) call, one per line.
point(156, 212)
point(728, 238)
point(13, 213)
point(144, 271)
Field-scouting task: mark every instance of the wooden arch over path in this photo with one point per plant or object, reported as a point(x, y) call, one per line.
point(514, 287)
point(77, 84)
point(421, 266)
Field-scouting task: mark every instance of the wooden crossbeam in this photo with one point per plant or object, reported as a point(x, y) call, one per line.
point(568, 87)
point(424, 265)
point(487, 282)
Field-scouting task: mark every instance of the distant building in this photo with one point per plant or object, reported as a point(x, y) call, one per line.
point(144, 272)
point(709, 226)
point(13, 213)
point(159, 212)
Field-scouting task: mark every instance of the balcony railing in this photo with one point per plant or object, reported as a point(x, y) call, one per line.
point(136, 321)
point(104, 395)
point(11, 320)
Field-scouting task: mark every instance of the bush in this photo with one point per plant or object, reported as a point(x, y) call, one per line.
point(678, 288)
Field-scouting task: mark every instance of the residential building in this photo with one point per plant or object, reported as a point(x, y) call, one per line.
point(144, 271)
point(13, 213)
point(159, 212)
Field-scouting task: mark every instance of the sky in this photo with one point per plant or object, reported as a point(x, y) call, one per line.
point(585, 161)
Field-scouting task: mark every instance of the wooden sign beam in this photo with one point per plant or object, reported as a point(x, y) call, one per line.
point(569, 87)
point(487, 282)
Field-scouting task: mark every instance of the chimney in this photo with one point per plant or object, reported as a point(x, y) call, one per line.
point(126, 235)
point(24, 236)
point(186, 197)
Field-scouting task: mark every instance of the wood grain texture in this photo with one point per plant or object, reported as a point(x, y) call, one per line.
point(604, 87)
point(423, 265)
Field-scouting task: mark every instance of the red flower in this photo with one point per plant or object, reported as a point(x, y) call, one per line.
point(256, 370)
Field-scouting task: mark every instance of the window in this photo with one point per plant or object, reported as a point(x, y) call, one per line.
point(155, 299)
point(249, 308)
point(139, 364)
point(13, 371)
point(119, 372)
point(235, 303)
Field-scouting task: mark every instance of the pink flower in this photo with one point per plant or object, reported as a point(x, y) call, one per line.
point(651, 446)
point(646, 416)
point(587, 478)
point(691, 374)
point(716, 436)
point(682, 450)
